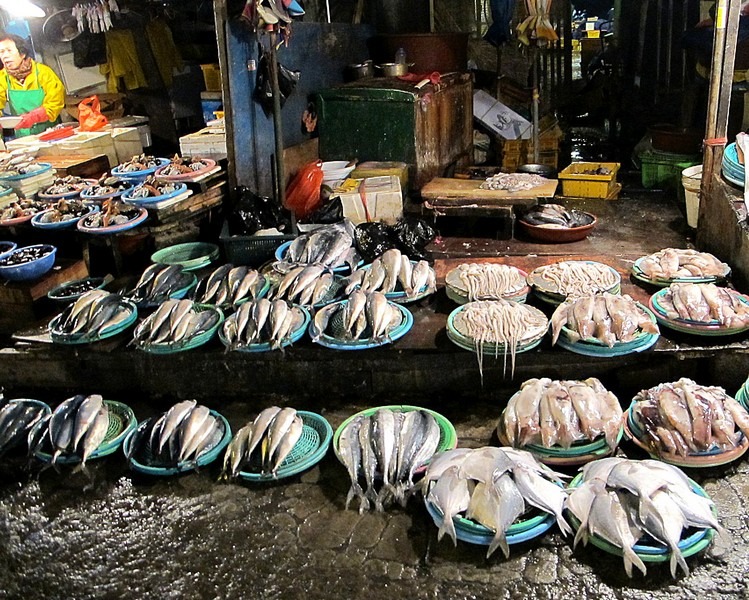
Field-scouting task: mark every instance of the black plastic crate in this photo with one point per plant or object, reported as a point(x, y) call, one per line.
point(253, 250)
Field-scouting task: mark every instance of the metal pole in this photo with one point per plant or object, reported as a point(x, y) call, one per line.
point(669, 42)
point(280, 183)
point(221, 18)
point(535, 105)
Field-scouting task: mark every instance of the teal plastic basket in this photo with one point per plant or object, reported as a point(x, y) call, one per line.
point(307, 452)
point(122, 422)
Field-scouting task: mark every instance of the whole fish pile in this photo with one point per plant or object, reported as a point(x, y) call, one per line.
point(499, 322)
point(547, 413)
point(178, 437)
point(331, 246)
point(489, 281)
point(362, 316)
point(22, 208)
point(622, 501)
point(671, 263)
point(152, 187)
point(158, 282)
point(77, 427)
point(392, 272)
point(141, 162)
point(684, 418)
point(305, 285)
point(64, 210)
point(228, 284)
point(175, 323)
point(493, 487)
point(262, 321)
point(16, 421)
point(513, 182)
point(113, 212)
point(608, 318)
point(574, 278)
point(705, 302)
point(263, 444)
point(92, 314)
point(384, 451)
point(66, 185)
point(556, 215)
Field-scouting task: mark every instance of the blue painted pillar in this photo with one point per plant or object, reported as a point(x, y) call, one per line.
point(320, 51)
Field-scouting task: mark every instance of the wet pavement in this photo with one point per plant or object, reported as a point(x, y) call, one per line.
point(189, 536)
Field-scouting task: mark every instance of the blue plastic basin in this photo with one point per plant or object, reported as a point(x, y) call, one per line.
point(30, 270)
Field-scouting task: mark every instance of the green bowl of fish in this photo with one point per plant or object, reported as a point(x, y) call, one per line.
point(190, 256)
point(189, 343)
point(448, 436)
point(143, 461)
point(86, 337)
point(122, 422)
point(307, 452)
point(228, 305)
point(640, 275)
point(693, 540)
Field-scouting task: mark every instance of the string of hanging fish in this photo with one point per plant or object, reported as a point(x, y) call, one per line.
point(95, 16)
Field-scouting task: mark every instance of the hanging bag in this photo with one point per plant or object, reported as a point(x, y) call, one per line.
point(89, 114)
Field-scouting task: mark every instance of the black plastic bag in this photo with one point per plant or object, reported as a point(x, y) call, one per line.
point(413, 235)
point(372, 239)
point(330, 212)
point(287, 80)
point(252, 213)
point(410, 235)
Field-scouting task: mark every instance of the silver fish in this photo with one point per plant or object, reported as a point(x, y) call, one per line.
point(419, 277)
point(95, 434)
point(377, 314)
point(276, 432)
point(541, 493)
point(61, 426)
point(172, 420)
point(451, 496)
point(85, 416)
point(391, 261)
point(287, 443)
point(190, 430)
point(368, 464)
point(350, 453)
point(260, 427)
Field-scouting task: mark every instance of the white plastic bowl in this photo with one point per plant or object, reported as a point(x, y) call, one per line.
point(335, 165)
point(9, 122)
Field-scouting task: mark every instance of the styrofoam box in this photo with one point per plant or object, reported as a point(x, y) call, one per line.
point(127, 143)
point(89, 143)
point(383, 197)
point(206, 143)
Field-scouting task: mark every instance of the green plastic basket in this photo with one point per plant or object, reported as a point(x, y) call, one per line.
point(190, 256)
point(448, 436)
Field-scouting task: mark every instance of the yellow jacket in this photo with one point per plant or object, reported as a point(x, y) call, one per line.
point(54, 90)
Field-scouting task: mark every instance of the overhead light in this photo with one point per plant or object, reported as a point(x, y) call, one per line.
point(24, 9)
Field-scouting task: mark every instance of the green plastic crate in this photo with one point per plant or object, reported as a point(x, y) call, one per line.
point(663, 169)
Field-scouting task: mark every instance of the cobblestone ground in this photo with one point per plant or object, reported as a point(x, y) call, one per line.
point(191, 537)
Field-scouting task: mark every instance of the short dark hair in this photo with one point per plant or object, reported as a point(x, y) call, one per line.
point(21, 44)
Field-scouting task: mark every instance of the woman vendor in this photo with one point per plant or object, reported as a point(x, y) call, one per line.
point(32, 90)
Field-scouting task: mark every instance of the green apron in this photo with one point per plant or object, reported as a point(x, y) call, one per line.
point(23, 101)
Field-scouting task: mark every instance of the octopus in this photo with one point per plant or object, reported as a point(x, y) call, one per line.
point(676, 263)
point(490, 281)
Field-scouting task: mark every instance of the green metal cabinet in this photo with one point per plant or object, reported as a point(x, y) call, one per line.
point(386, 119)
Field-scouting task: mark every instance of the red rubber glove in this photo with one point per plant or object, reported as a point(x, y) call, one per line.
point(38, 115)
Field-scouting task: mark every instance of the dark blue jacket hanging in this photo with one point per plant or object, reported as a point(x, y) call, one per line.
point(499, 31)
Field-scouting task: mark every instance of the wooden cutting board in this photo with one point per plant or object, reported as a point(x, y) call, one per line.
point(441, 187)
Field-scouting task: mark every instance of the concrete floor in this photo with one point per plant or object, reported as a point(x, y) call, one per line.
point(131, 536)
point(190, 537)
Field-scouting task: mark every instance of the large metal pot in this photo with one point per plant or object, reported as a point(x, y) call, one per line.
point(393, 69)
point(360, 70)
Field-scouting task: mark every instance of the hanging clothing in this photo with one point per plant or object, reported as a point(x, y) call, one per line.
point(499, 31)
point(41, 88)
point(89, 50)
point(123, 66)
point(164, 49)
